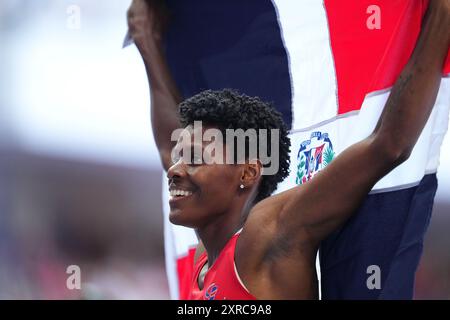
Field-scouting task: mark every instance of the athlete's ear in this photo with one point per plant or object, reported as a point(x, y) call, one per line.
point(251, 173)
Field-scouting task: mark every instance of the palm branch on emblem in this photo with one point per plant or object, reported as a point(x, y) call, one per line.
point(300, 173)
point(328, 156)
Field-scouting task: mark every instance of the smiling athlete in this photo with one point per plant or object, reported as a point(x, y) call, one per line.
point(256, 245)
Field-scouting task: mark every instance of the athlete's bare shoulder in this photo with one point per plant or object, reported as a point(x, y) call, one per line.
point(261, 249)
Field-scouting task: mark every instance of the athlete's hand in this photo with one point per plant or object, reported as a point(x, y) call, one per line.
point(147, 20)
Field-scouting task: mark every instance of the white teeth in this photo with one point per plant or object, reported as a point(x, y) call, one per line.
point(180, 193)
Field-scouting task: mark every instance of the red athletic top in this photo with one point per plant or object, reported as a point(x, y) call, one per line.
point(221, 280)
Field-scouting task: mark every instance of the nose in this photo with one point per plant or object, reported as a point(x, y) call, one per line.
point(177, 170)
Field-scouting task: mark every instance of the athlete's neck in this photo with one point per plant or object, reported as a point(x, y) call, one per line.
point(215, 235)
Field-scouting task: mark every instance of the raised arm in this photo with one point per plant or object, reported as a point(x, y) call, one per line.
point(312, 211)
point(146, 19)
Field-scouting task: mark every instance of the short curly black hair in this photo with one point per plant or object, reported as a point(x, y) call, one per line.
point(228, 109)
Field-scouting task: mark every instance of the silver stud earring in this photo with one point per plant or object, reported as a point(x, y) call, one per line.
point(241, 186)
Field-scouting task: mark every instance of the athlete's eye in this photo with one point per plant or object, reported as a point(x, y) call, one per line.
point(196, 159)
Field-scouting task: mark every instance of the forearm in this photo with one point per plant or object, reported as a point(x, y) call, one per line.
point(146, 21)
point(413, 95)
point(164, 100)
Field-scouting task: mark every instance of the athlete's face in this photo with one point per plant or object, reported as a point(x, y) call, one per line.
point(199, 193)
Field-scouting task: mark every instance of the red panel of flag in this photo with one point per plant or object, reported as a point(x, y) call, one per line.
point(371, 43)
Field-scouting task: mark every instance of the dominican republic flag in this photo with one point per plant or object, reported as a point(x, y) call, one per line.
point(328, 66)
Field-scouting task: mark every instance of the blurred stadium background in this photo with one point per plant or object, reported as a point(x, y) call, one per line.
point(80, 179)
